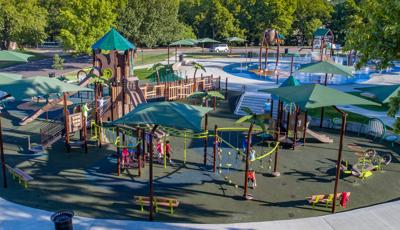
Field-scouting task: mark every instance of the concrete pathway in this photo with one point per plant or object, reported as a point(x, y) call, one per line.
point(383, 216)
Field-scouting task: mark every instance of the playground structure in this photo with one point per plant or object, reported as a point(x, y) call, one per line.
point(269, 37)
point(323, 39)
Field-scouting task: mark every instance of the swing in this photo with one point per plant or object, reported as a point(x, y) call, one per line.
point(34, 149)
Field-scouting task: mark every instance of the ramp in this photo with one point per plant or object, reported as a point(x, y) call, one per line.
point(320, 137)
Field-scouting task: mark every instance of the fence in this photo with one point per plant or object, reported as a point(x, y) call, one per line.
point(180, 89)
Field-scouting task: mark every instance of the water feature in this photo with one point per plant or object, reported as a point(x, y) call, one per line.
point(245, 70)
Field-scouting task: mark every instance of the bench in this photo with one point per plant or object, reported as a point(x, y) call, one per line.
point(20, 174)
point(157, 201)
point(324, 199)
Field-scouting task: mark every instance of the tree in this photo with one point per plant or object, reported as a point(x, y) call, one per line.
point(83, 22)
point(375, 32)
point(254, 119)
point(22, 21)
point(208, 95)
point(198, 66)
point(152, 22)
point(309, 15)
point(394, 109)
point(58, 62)
point(342, 17)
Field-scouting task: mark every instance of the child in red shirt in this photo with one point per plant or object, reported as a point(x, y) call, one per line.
point(251, 177)
point(168, 152)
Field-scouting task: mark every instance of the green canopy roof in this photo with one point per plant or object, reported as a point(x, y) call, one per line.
point(235, 39)
point(315, 96)
point(290, 81)
point(6, 55)
point(382, 93)
point(113, 40)
point(168, 114)
point(38, 86)
point(184, 42)
point(6, 78)
point(320, 32)
point(281, 36)
point(328, 67)
point(207, 40)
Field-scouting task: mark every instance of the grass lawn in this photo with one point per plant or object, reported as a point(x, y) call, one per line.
point(330, 112)
point(36, 56)
point(144, 58)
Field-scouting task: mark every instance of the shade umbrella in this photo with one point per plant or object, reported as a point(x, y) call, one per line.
point(184, 42)
point(11, 56)
point(206, 40)
point(381, 93)
point(236, 39)
point(315, 96)
point(327, 67)
point(290, 81)
point(169, 114)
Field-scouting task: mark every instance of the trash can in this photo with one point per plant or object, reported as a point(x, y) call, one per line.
point(63, 220)
point(52, 74)
point(249, 54)
point(286, 50)
point(180, 57)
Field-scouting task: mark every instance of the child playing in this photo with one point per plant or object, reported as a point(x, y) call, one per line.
point(160, 151)
point(252, 153)
point(125, 157)
point(169, 152)
point(251, 177)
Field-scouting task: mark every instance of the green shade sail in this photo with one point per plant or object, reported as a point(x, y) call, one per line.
point(327, 67)
point(382, 93)
point(281, 36)
point(320, 32)
point(6, 78)
point(315, 96)
point(38, 86)
point(184, 42)
point(207, 40)
point(11, 56)
point(290, 81)
point(113, 40)
point(235, 39)
point(168, 114)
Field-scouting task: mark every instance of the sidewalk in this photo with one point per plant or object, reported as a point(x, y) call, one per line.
point(383, 216)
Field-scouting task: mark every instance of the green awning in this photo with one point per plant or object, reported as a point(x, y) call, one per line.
point(168, 114)
point(235, 39)
point(11, 56)
point(38, 86)
point(328, 67)
point(281, 36)
point(184, 42)
point(6, 78)
point(207, 40)
point(316, 96)
point(113, 40)
point(290, 81)
point(320, 32)
point(382, 93)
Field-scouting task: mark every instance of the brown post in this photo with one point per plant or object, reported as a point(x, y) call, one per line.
point(118, 155)
point(266, 57)
point(123, 95)
point(226, 88)
point(339, 160)
point(260, 55)
point(312, 44)
point(151, 189)
point(143, 148)
point(138, 152)
point(247, 161)
point(215, 148)
point(112, 101)
point(305, 127)
point(219, 83)
point(3, 161)
point(66, 123)
point(84, 132)
point(206, 138)
point(287, 123)
point(278, 131)
point(297, 110)
point(277, 50)
point(322, 48)
point(291, 65)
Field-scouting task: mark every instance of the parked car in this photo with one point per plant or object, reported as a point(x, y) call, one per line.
point(220, 48)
